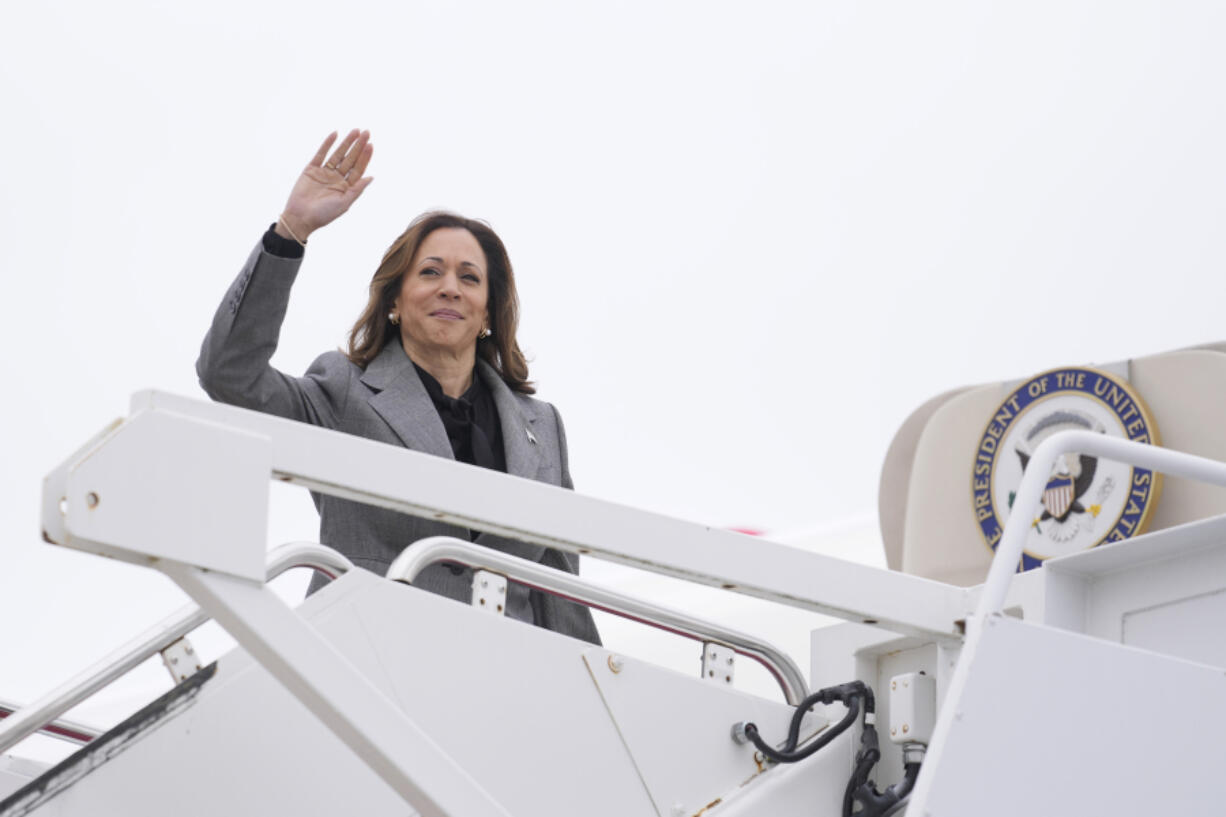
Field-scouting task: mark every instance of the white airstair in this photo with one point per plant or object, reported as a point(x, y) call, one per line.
point(1093, 685)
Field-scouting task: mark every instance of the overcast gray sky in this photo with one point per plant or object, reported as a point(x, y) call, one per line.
point(749, 240)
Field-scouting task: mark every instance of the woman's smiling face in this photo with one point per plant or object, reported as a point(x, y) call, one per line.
point(444, 294)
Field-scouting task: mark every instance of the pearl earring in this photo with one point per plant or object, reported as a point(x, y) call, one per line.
point(394, 318)
point(486, 332)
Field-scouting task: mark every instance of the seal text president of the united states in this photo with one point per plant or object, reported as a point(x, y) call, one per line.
point(432, 365)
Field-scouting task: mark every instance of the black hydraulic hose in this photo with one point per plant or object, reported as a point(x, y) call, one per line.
point(849, 694)
point(910, 773)
point(841, 693)
point(877, 804)
point(860, 789)
point(866, 759)
point(787, 755)
point(798, 717)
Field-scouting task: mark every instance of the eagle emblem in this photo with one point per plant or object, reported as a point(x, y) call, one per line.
point(1072, 474)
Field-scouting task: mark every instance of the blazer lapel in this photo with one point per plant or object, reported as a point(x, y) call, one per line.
point(519, 440)
point(524, 457)
point(403, 403)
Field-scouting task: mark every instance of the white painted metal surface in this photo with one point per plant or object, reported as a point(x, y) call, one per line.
point(1044, 721)
point(151, 488)
point(1165, 592)
point(539, 718)
point(667, 721)
point(312, 670)
point(16, 772)
point(1171, 628)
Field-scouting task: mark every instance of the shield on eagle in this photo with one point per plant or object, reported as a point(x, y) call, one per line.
point(1058, 495)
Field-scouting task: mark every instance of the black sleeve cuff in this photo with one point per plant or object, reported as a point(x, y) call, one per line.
point(281, 247)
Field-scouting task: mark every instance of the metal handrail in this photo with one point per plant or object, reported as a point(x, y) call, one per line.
point(415, 558)
point(1034, 480)
point(62, 728)
point(43, 713)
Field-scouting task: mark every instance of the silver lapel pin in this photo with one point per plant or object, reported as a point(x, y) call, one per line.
point(531, 439)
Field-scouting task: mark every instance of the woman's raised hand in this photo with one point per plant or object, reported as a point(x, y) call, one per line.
point(326, 189)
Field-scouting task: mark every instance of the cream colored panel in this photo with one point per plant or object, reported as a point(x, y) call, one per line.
point(896, 477)
point(942, 540)
point(1186, 393)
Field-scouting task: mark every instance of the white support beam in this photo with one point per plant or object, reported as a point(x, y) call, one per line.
point(432, 487)
point(337, 693)
point(161, 485)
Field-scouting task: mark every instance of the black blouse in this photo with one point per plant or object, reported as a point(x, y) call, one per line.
point(471, 421)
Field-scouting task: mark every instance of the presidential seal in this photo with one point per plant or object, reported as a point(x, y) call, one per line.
point(1087, 501)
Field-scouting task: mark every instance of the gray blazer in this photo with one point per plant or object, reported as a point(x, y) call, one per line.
point(385, 402)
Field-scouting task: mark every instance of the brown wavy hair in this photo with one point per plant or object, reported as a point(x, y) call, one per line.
point(501, 350)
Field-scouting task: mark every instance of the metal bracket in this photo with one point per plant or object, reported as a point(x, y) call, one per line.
point(180, 659)
point(489, 591)
point(718, 663)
